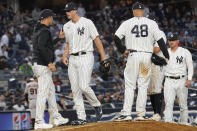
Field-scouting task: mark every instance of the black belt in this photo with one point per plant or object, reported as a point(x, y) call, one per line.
point(175, 77)
point(131, 51)
point(78, 53)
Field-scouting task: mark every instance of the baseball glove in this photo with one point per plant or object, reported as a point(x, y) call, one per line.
point(157, 60)
point(103, 68)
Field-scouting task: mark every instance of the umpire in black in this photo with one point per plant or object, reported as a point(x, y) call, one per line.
point(43, 58)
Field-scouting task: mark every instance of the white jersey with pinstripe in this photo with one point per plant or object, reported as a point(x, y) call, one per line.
point(80, 35)
point(140, 33)
point(80, 38)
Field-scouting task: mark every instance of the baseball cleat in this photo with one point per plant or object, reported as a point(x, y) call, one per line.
point(123, 118)
point(78, 122)
point(60, 121)
point(42, 126)
point(155, 117)
point(142, 118)
point(99, 112)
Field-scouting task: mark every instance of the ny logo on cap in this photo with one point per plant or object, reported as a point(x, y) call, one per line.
point(172, 35)
point(66, 5)
point(140, 6)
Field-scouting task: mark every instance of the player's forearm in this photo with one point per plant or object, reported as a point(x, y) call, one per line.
point(118, 44)
point(163, 48)
point(100, 48)
point(190, 70)
point(66, 52)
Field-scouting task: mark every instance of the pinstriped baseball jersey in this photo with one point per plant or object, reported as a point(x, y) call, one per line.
point(179, 62)
point(140, 33)
point(80, 35)
point(31, 89)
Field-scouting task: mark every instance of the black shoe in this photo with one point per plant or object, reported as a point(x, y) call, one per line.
point(98, 112)
point(78, 122)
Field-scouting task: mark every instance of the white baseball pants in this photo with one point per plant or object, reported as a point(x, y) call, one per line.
point(46, 91)
point(138, 69)
point(172, 88)
point(79, 72)
point(157, 76)
point(32, 107)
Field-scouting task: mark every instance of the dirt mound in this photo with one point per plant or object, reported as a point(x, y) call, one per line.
point(127, 126)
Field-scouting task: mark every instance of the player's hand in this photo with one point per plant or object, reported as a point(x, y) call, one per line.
point(52, 67)
point(65, 60)
point(61, 34)
point(126, 53)
point(188, 83)
point(166, 60)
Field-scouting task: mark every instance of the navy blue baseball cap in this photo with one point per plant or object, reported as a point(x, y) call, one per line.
point(70, 6)
point(46, 13)
point(172, 37)
point(138, 5)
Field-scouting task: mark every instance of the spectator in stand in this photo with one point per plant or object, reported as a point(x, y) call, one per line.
point(107, 97)
point(117, 78)
point(2, 102)
point(81, 10)
point(3, 51)
point(100, 98)
point(62, 103)
point(5, 39)
point(58, 54)
point(95, 78)
point(19, 106)
point(4, 63)
point(26, 69)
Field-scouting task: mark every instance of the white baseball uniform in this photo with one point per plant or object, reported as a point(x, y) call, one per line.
point(80, 38)
point(46, 91)
point(180, 61)
point(157, 74)
point(31, 90)
point(140, 33)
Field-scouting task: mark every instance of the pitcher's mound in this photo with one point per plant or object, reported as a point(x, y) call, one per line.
point(127, 126)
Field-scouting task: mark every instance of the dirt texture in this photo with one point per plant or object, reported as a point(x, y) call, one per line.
point(126, 126)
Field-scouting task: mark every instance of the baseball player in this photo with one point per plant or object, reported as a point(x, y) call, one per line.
point(178, 76)
point(157, 76)
point(80, 33)
point(43, 58)
point(140, 33)
point(31, 95)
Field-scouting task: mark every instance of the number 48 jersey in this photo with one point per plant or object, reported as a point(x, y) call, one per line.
point(140, 33)
point(31, 90)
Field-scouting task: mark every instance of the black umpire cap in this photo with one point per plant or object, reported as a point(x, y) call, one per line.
point(46, 13)
point(70, 6)
point(173, 37)
point(137, 5)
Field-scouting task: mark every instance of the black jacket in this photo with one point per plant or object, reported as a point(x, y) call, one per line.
point(43, 45)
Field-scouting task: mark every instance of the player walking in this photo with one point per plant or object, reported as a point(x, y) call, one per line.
point(178, 76)
point(80, 33)
point(43, 58)
point(140, 33)
point(31, 95)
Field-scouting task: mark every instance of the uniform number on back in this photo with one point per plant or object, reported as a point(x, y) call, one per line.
point(33, 91)
point(140, 30)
